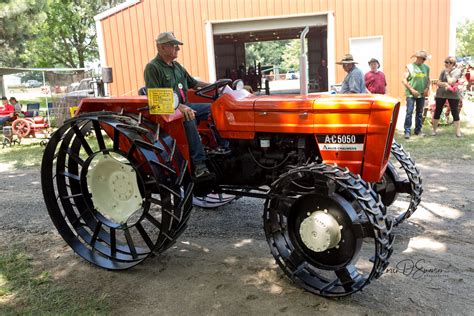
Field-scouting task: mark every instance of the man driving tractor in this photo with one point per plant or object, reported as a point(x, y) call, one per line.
point(164, 72)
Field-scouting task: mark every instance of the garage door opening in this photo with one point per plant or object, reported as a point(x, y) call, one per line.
point(255, 51)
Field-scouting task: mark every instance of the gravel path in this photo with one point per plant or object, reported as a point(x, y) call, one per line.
point(222, 264)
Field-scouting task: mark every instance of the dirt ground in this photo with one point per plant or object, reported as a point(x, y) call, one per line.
point(222, 264)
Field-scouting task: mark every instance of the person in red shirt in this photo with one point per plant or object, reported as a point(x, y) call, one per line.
point(375, 80)
point(6, 111)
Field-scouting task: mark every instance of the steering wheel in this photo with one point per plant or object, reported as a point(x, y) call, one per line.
point(219, 84)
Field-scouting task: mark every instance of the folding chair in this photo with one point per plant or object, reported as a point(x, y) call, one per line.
point(32, 109)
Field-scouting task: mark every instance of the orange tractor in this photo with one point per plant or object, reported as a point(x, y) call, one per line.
point(117, 184)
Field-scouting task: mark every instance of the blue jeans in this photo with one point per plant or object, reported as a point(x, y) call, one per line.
point(420, 102)
point(4, 119)
point(196, 150)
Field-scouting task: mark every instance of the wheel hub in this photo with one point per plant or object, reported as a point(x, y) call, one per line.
point(114, 188)
point(320, 231)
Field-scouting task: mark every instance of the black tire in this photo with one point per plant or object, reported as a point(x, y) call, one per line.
point(162, 178)
point(407, 171)
point(366, 237)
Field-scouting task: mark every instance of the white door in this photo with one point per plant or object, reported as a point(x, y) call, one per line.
point(365, 48)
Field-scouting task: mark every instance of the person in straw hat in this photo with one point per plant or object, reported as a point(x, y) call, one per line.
point(354, 80)
point(164, 72)
point(416, 81)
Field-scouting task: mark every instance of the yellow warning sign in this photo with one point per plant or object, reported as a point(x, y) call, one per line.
point(161, 100)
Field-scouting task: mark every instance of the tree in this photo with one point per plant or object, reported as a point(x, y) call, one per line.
point(283, 53)
point(465, 38)
point(19, 21)
point(49, 33)
point(265, 53)
point(67, 38)
point(291, 56)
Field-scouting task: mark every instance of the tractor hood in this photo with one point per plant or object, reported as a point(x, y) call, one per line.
point(313, 102)
point(309, 113)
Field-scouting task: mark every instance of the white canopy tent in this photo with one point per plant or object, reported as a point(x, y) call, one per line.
point(10, 71)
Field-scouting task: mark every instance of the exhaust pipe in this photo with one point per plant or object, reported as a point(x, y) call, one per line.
point(303, 64)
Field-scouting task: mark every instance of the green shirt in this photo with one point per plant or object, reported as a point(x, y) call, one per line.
point(159, 74)
point(418, 78)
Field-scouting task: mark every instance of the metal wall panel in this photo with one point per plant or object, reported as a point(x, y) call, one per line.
point(406, 26)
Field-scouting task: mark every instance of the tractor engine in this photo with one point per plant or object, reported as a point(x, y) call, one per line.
point(261, 160)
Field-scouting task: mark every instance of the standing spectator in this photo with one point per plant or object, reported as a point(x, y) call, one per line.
point(164, 72)
point(354, 80)
point(375, 80)
point(6, 111)
point(416, 81)
point(323, 76)
point(448, 90)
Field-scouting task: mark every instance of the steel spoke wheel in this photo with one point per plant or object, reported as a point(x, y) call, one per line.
point(327, 229)
point(118, 194)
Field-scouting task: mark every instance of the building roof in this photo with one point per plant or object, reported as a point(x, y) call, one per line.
point(115, 9)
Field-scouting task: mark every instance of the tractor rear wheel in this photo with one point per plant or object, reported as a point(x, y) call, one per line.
point(327, 229)
point(407, 173)
point(118, 194)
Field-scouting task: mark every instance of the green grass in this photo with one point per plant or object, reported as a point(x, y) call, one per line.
point(24, 291)
point(20, 156)
point(445, 146)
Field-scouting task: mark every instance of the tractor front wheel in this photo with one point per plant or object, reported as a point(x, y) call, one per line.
point(327, 229)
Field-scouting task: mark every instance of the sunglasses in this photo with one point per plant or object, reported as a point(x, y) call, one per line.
point(448, 63)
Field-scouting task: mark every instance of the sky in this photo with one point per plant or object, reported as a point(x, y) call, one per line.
point(462, 9)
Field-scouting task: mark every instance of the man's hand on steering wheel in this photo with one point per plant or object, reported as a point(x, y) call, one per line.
point(221, 83)
point(189, 114)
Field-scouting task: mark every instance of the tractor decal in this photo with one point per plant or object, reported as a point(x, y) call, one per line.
point(341, 142)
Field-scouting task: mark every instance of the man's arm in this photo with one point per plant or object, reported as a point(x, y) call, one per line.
point(427, 88)
point(366, 77)
point(356, 82)
point(152, 80)
point(152, 76)
point(408, 86)
point(200, 84)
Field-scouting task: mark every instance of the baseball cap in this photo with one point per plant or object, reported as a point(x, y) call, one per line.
point(167, 37)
